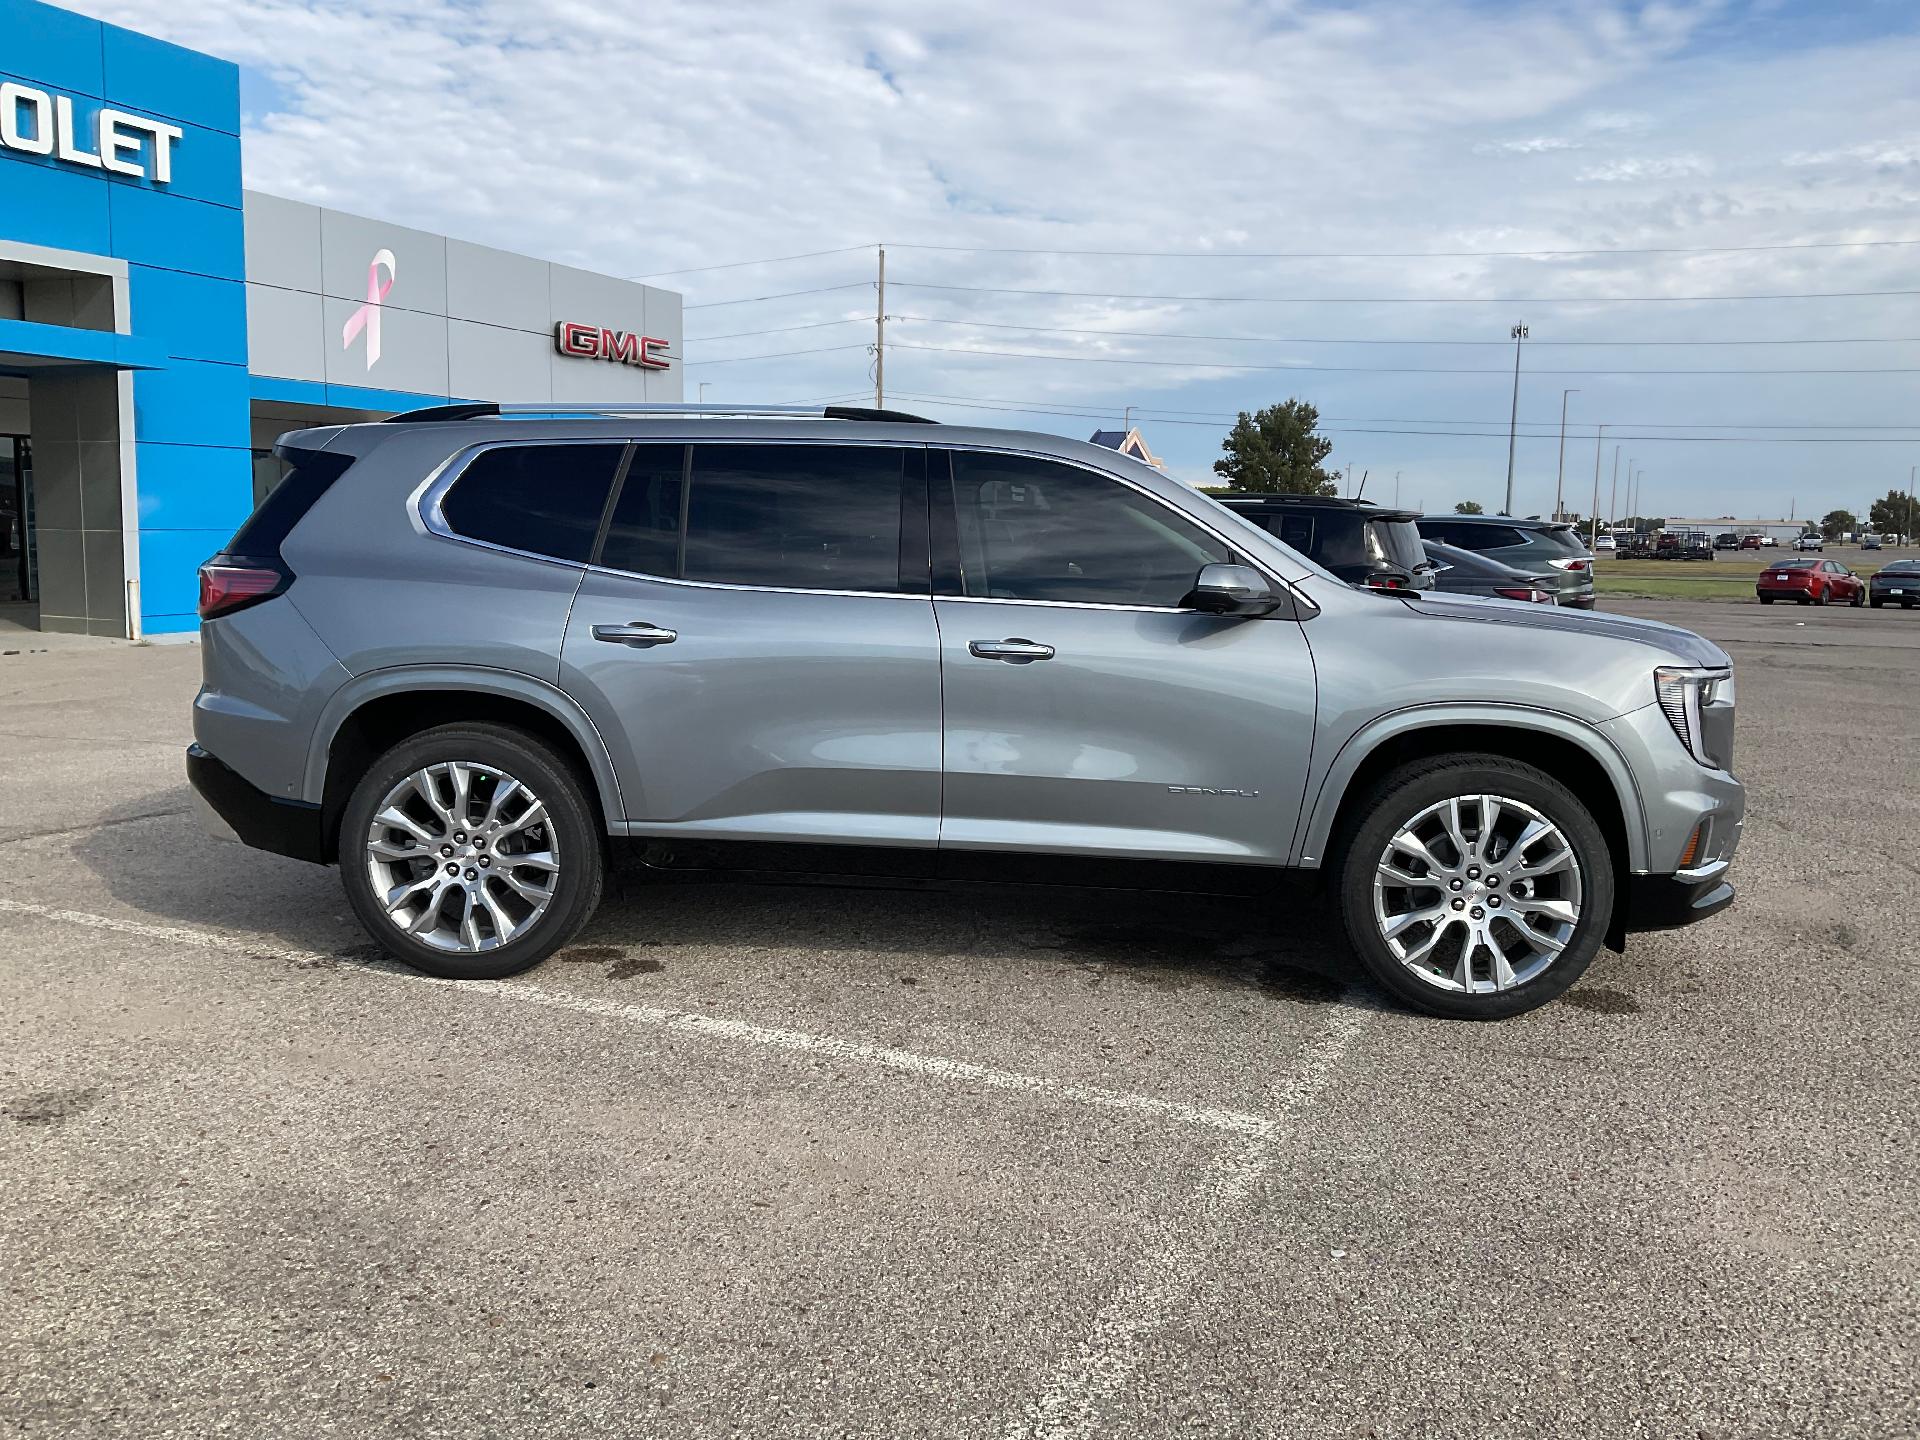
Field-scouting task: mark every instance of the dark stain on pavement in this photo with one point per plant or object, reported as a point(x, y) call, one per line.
point(1290, 982)
point(1603, 1002)
point(634, 965)
point(590, 954)
point(50, 1107)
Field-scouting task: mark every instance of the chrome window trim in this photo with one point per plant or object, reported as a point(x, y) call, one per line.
point(425, 504)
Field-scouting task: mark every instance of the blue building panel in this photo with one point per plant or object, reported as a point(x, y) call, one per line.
point(150, 75)
point(193, 317)
point(40, 205)
point(170, 563)
point(167, 232)
point(55, 49)
point(192, 402)
point(194, 487)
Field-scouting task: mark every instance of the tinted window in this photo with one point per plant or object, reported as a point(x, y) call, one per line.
point(804, 517)
point(543, 498)
point(1036, 530)
point(644, 534)
point(1569, 540)
point(311, 473)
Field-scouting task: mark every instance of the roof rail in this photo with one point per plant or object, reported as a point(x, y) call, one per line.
point(484, 409)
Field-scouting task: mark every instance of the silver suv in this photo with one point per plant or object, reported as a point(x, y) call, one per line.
point(466, 651)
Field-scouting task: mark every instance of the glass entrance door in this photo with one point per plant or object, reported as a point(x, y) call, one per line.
point(18, 577)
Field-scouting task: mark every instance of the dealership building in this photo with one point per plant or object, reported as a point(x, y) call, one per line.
point(160, 324)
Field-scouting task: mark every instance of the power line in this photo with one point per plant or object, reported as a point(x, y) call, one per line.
point(1409, 254)
point(779, 330)
point(744, 264)
point(783, 295)
point(1402, 299)
point(1543, 425)
point(777, 355)
point(1439, 434)
point(1300, 340)
point(1366, 369)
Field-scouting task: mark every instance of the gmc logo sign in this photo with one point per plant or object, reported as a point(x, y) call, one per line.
point(594, 342)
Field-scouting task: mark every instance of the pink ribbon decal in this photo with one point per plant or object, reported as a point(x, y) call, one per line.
point(367, 317)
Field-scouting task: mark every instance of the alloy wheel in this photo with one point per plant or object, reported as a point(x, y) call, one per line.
point(462, 857)
point(1477, 894)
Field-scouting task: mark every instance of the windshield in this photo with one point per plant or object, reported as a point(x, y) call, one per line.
point(1566, 538)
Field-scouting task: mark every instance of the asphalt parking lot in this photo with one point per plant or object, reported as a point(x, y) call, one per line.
point(753, 1159)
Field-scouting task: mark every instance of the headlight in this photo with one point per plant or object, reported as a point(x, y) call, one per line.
point(1685, 697)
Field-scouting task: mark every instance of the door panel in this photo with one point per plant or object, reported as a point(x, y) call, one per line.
point(769, 715)
point(1164, 734)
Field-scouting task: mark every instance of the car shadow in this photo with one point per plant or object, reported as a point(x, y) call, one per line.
point(150, 854)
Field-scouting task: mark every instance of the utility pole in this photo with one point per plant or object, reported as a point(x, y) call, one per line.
point(1396, 489)
point(703, 391)
point(880, 337)
point(1593, 525)
point(1560, 476)
point(1633, 512)
point(1613, 495)
point(1513, 420)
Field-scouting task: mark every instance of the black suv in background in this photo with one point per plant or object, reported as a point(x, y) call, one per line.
point(1549, 547)
point(1357, 540)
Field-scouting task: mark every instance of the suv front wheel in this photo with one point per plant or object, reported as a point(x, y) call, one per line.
point(1474, 886)
point(470, 852)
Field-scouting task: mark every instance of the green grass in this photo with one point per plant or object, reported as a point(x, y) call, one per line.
point(1728, 576)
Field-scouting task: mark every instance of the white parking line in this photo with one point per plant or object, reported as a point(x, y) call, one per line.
point(690, 1022)
point(1110, 1350)
point(1100, 1362)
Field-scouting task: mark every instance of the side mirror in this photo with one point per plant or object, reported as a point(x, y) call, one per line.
point(1231, 590)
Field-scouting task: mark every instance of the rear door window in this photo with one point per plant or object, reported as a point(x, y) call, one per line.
point(546, 499)
point(644, 532)
point(802, 517)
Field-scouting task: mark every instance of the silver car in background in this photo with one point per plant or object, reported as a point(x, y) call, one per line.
point(465, 652)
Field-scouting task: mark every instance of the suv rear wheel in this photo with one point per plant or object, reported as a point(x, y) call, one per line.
point(1474, 886)
point(470, 852)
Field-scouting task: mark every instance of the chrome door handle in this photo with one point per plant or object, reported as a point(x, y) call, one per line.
point(1014, 650)
point(638, 633)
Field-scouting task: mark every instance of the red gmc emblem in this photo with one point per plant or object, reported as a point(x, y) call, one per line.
point(595, 342)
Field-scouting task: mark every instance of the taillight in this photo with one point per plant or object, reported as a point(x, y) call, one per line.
point(1533, 597)
point(230, 582)
point(1386, 582)
point(1570, 564)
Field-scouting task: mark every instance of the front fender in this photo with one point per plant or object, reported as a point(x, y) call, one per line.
point(1330, 788)
point(508, 684)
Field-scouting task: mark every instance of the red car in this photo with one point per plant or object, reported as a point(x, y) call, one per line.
point(1810, 582)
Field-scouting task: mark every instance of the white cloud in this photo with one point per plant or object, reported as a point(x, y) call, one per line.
point(640, 138)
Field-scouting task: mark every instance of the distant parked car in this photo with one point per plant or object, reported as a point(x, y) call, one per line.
point(1726, 540)
point(1605, 543)
point(1767, 542)
point(1536, 546)
point(1749, 542)
point(1362, 543)
point(1810, 582)
point(1895, 584)
point(1869, 542)
point(1465, 572)
point(1809, 542)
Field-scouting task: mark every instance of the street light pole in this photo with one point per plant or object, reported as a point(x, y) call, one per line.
point(1560, 477)
point(1593, 519)
point(1613, 496)
point(1513, 420)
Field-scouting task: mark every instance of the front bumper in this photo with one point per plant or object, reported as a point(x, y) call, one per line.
point(1666, 902)
point(231, 808)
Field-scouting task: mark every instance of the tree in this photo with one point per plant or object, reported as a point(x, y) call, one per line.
point(1838, 523)
point(1278, 450)
point(1894, 515)
point(1468, 507)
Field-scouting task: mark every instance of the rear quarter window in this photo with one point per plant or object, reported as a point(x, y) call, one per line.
point(313, 471)
point(545, 499)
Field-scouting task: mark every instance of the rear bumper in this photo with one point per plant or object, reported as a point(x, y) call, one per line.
point(231, 808)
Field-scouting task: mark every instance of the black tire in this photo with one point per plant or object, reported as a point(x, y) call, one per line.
point(1402, 795)
point(1766, 599)
point(1878, 603)
point(1859, 599)
point(1819, 597)
point(575, 836)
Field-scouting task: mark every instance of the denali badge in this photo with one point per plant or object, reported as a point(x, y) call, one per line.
point(1209, 790)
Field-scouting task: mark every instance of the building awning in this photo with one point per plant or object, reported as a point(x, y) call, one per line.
point(27, 346)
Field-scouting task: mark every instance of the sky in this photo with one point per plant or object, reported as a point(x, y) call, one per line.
point(1352, 203)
